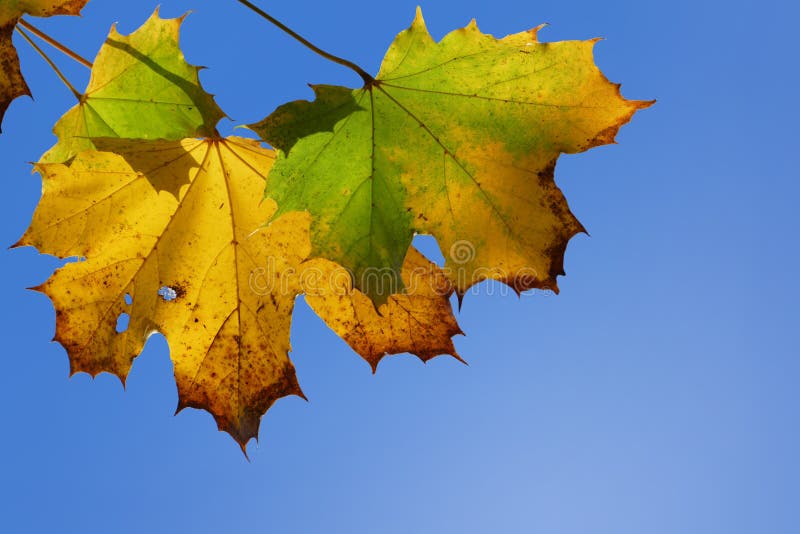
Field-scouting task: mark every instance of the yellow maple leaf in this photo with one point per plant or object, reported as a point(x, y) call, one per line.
point(171, 233)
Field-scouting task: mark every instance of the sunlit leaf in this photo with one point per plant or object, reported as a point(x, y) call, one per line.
point(171, 234)
point(141, 87)
point(458, 139)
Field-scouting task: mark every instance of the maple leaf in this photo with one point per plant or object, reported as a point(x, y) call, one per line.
point(12, 84)
point(201, 268)
point(141, 87)
point(420, 321)
point(458, 139)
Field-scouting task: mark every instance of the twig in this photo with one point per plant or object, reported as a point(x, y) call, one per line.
point(52, 42)
point(368, 80)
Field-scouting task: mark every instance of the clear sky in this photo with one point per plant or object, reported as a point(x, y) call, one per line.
point(657, 394)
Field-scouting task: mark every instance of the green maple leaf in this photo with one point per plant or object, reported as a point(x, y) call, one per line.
point(458, 139)
point(141, 87)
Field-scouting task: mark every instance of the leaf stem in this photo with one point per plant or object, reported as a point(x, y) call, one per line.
point(52, 42)
point(49, 62)
point(368, 79)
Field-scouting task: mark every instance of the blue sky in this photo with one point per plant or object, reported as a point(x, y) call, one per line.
point(657, 394)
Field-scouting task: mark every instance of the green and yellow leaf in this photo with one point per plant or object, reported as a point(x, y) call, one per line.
point(141, 87)
point(458, 139)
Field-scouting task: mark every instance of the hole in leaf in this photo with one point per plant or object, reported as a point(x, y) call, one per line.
point(128, 299)
point(122, 322)
point(167, 293)
point(428, 245)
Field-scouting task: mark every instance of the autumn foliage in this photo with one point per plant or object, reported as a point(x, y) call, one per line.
point(210, 240)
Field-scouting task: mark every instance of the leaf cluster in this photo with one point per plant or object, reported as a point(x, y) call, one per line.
point(209, 240)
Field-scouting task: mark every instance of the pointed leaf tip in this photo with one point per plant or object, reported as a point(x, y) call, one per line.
point(535, 31)
point(419, 21)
